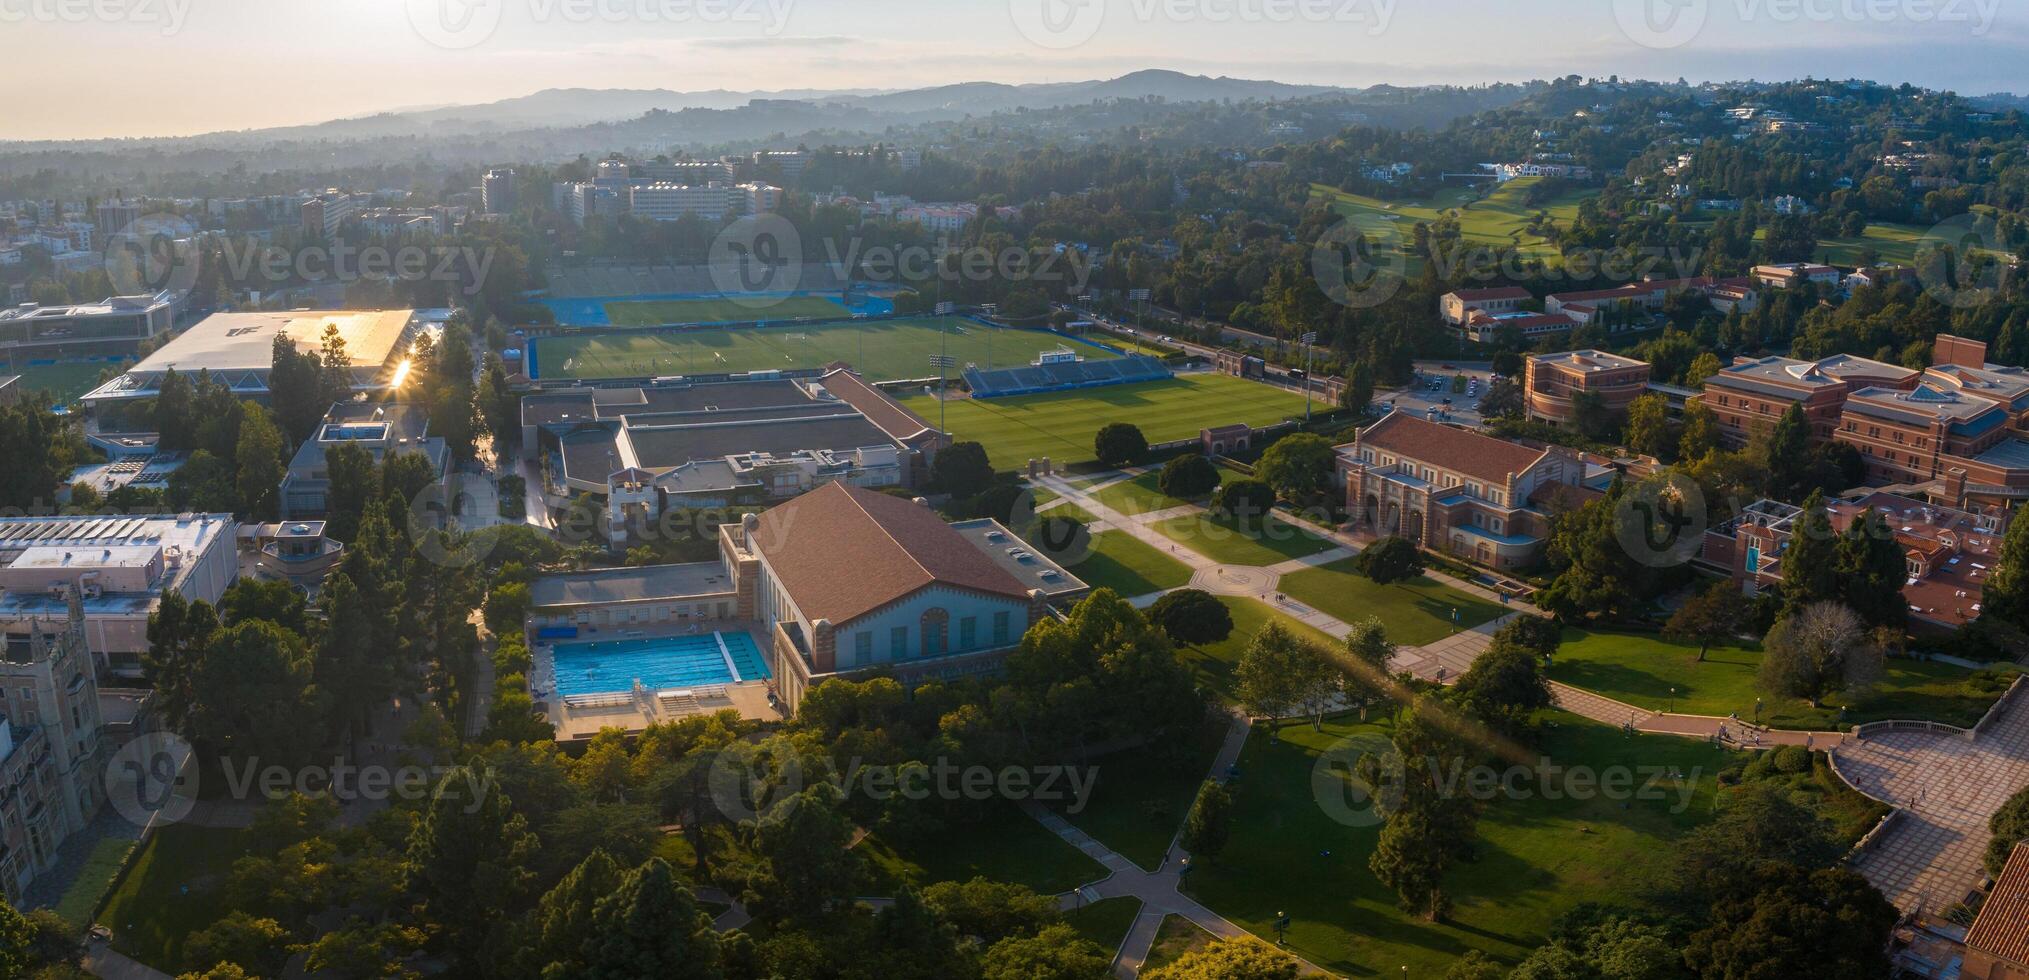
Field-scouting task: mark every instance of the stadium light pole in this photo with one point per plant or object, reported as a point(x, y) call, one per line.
point(1308, 339)
point(943, 361)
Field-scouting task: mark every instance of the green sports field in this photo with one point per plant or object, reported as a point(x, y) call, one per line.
point(1061, 425)
point(652, 313)
point(885, 350)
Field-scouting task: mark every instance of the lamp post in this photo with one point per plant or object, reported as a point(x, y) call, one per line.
point(943, 362)
point(1309, 338)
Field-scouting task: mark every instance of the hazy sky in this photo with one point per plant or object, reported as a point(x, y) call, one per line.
point(86, 68)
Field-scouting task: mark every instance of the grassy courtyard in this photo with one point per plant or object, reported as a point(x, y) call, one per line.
point(1214, 663)
point(1005, 845)
point(1415, 612)
point(170, 891)
point(1273, 542)
point(1644, 669)
point(1105, 922)
point(885, 350)
point(1140, 794)
point(1123, 563)
point(1061, 425)
point(1139, 495)
point(1536, 857)
point(652, 313)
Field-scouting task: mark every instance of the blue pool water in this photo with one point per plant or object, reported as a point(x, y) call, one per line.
point(660, 664)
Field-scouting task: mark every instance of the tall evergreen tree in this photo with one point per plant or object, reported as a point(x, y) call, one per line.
point(2007, 593)
point(1871, 568)
point(650, 926)
point(1810, 565)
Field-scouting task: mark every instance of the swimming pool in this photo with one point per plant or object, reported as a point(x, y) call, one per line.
point(660, 664)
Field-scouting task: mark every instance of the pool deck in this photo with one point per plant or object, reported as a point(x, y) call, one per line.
point(637, 710)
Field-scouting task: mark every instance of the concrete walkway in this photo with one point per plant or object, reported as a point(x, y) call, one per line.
point(1157, 890)
point(101, 960)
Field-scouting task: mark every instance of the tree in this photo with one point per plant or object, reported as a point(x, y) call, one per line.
point(1188, 477)
point(174, 426)
point(1810, 567)
point(179, 631)
point(1054, 953)
point(1786, 452)
point(1244, 502)
point(17, 943)
point(1368, 652)
point(806, 842)
point(988, 910)
point(259, 458)
point(1298, 467)
point(274, 600)
point(1828, 925)
point(1475, 965)
point(2010, 826)
point(1713, 615)
point(1119, 444)
point(354, 480)
point(1246, 958)
point(1598, 577)
point(1426, 827)
point(252, 696)
point(1267, 674)
point(295, 389)
point(1648, 427)
point(961, 470)
point(1705, 365)
point(1760, 824)
point(258, 944)
point(1209, 824)
point(2007, 593)
point(1816, 650)
point(1539, 635)
point(650, 926)
point(1700, 434)
point(1504, 688)
point(1358, 392)
point(334, 366)
point(468, 856)
point(1390, 560)
point(1192, 616)
point(1871, 567)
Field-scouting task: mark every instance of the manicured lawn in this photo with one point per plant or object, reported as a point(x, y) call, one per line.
point(1123, 563)
point(100, 865)
point(1138, 496)
point(1500, 218)
point(1070, 509)
point(1060, 425)
point(1273, 542)
point(1106, 921)
point(64, 381)
point(651, 313)
point(1535, 859)
point(892, 350)
point(1415, 612)
point(1140, 795)
point(1006, 845)
point(1642, 669)
point(170, 892)
point(1214, 663)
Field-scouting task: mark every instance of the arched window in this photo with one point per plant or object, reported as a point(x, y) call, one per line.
point(936, 631)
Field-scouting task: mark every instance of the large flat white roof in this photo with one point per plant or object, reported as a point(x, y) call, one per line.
point(225, 342)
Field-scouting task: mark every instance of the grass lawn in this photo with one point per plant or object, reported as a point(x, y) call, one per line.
point(1006, 845)
point(1061, 424)
point(885, 350)
point(1416, 612)
point(1140, 795)
point(100, 865)
point(1139, 495)
point(1500, 218)
point(1070, 509)
point(65, 381)
point(654, 313)
point(1219, 539)
point(170, 892)
point(1176, 938)
point(1123, 563)
point(1641, 669)
point(1214, 663)
point(1535, 859)
point(1106, 921)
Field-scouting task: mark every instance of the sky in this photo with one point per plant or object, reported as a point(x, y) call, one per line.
point(132, 68)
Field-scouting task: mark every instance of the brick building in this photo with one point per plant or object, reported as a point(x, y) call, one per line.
point(1550, 382)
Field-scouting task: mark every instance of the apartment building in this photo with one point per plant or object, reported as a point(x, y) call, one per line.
point(498, 193)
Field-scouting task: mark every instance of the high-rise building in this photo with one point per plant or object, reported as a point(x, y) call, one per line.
point(51, 757)
point(497, 193)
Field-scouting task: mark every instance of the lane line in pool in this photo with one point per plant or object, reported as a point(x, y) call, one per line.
point(728, 655)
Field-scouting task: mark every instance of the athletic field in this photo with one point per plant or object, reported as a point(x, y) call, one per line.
point(1061, 425)
point(885, 350)
point(654, 313)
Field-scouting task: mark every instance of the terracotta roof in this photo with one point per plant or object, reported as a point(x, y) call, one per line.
point(842, 551)
point(1495, 292)
point(2002, 928)
point(1449, 447)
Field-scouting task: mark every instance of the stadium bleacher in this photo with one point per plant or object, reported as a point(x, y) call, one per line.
point(1062, 376)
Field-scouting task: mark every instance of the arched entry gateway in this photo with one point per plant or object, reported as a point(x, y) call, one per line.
point(1370, 511)
point(1413, 527)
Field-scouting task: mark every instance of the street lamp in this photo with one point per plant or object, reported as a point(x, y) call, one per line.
point(1309, 338)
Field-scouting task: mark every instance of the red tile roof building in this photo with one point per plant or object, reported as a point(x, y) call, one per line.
point(1997, 946)
point(1458, 307)
point(1454, 490)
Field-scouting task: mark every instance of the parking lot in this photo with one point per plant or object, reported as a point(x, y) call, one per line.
point(1437, 387)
